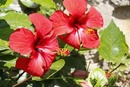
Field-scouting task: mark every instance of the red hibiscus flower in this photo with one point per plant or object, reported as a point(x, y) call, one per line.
point(78, 27)
point(41, 46)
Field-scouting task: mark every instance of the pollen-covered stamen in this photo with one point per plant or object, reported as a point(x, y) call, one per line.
point(90, 31)
point(63, 52)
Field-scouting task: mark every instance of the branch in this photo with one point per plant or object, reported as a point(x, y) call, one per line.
point(22, 82)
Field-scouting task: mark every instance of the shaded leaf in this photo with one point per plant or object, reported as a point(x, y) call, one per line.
point(5, 32)
point(4, 3)
point(7, 61)
point(113, 46)
point(73, 62)
point(10, 63)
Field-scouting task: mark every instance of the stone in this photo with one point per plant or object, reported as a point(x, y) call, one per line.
point(121, 2)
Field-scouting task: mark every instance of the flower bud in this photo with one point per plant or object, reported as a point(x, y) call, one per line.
point(80, 74)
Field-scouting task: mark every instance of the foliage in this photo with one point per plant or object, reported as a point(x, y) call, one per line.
point(113, 47)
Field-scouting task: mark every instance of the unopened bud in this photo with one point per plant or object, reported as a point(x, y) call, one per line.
point(80, 74)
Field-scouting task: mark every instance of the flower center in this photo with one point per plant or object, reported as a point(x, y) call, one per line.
point(90, 31)
point(37, 43)
point(74, 22)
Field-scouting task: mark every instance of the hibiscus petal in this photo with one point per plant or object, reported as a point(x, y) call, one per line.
point(22, 63)
point(33, 65)
point(75, 7)
point(94, 19)
point(89, 40)
point(37, 65)
point(22, 41)
point(42, 24)
point(60, 23)
point(48, 60)
point(40, 63)
point(72, 39)
point(48, 44)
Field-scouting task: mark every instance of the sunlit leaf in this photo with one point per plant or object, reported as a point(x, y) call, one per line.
point(17, 20)
point(36, 78)
point(97, 78)
point(70, 48)
point(4, 3)
point(55, 67)
point(113, 46)
point(29, 3)
point(3, 44)
point(45, 3)
point(47, 7)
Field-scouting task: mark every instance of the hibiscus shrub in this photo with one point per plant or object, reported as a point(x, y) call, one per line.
point(59, 43)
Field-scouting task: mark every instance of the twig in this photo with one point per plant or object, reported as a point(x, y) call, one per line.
point(115, 68)
point(22, 82)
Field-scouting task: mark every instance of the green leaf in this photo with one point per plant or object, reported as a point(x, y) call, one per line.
point(5, 32)
point(10, 63)
point(112, 80)
point(29, 3)
point(97, 78)
point(55, 67)
point(47, 6)
point(113, 46)
point(36, 78)
point(70, 48)
point(6, 52)
point(16, 20)
point(46, 11)
point(3, 44)
point(7, 61)
point(45, 3)
point(4, 3)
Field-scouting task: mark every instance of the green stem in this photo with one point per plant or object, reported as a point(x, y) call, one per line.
point(59, 78)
